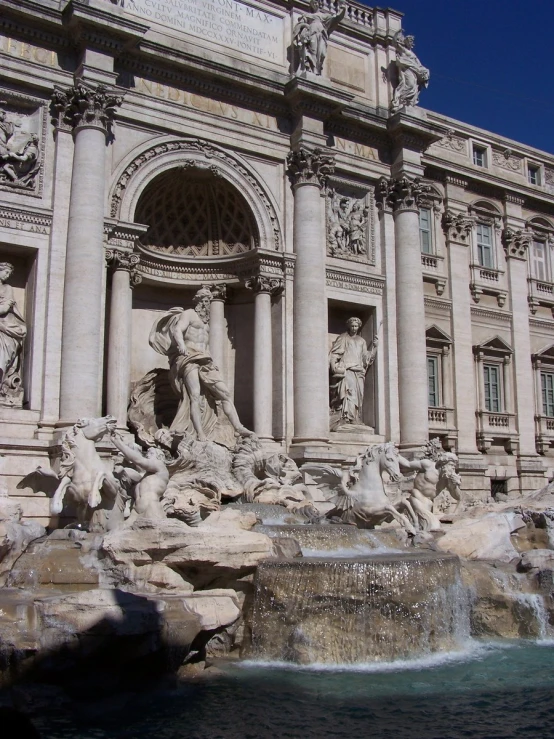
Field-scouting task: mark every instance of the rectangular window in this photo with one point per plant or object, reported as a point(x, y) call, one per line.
point(433, 381)
point(533, 174)
point(547, 386)
point(484, 245)
point(491, 376)
point(425, 237)
point(538, 255)
point(479, 156)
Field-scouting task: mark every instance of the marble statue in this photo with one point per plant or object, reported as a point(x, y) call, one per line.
point(347, 221)
point(311, 35)
point(12, 335)
point(18, 165)
point(412, 75)
point(83, 477)
point(152, 483)
point(358, 492)
point(15, 533)
point(349, 361)
point(271, 478)
point(435, 472)
point(183, 336)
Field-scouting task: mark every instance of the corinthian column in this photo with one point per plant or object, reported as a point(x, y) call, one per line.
point(89, 110)
point(124, 278)
point(263, 287)
point(457, 228)
point(218, 329)
point(402, 195)
point(308, 170)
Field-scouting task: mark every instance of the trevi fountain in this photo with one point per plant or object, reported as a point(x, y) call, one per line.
point(194, 571)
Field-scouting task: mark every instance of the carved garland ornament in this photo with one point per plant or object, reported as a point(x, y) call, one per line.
point(210, 152)
point(265, 284)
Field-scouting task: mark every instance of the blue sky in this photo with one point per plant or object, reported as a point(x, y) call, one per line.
point(491, 63)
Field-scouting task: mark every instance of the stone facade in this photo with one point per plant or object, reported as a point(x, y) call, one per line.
point(149, 147)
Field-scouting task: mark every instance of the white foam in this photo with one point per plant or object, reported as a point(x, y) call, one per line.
point(347, 552)
point(471, 651)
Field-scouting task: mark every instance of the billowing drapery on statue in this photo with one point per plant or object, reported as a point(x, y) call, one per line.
point(183, 336)
point(349, 360)
point(12, 334)
point(412, 75)
point(311, 35)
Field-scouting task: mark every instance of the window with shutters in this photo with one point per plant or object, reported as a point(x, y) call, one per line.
point(485, 245)
point(492, 378)
point(547, 388)
point(433, 381)
point(425, 232)
point(538, 260)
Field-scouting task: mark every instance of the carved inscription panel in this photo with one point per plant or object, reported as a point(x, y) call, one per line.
point(236, 25)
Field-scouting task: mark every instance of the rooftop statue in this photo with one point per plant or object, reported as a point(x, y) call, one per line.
point(349, 360)
point(311, 35)
point(412, 75)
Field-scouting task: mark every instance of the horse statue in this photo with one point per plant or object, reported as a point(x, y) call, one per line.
point(83, 477)
point(359, 492)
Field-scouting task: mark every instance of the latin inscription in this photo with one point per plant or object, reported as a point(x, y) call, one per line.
point(28, 52)
point(227, 22)
point(199, 102)
point(358, 150)
point(22, 226)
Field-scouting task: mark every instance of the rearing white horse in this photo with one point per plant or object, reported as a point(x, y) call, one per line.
point(359, 492)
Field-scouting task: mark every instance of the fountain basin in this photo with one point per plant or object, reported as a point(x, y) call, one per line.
point(334, 540)
point(347, 611)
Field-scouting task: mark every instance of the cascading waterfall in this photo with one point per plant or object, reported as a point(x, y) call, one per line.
point(334, 540)
point(347, 611)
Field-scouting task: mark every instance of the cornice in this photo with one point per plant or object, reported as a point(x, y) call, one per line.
point(443, 305)
point(491, 315)
point(346, 279)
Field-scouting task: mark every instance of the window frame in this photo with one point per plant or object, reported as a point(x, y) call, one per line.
point(479, 149)
point(547, 406)
point(429, 230)
point(479, 245)
point(436, 360)
point(536, 169)
point(489, 402)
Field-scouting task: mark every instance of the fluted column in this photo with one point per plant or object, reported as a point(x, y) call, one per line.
point(90, 111)
point(124, 278)
point(402, 195)
point(516, 244)
point(263, 287)
point(308, 170)
point(457, 227)
point(218, 327)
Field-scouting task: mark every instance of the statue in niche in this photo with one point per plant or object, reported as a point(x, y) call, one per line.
point(19, 164)
point(349, 361)
point(412, 75)
point(183, 336)
point(311, 35)
point(346, 233)
point(12, 335)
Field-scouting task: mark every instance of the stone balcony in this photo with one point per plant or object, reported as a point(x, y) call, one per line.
point(496, 428)
point(432, 267)
point(544, 433)
point(441, 423)
point(487, 281)
point(540, 293)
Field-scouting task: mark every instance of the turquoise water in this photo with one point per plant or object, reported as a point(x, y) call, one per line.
point(503, 691)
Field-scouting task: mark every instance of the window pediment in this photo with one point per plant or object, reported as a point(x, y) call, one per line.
point(495, 348)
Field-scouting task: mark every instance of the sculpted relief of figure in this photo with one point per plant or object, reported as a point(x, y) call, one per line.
point(412, 75)
point(311, 35)
point(349, 361)
point(346, 234)
point(12, 335)
point(183, 336)
point(19, 164)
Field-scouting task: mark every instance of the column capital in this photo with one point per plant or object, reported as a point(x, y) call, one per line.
point(516, 243)
point(84, 105)
point(118, 259)
point(400, 193)
point(310, 167)
point(457, 226)
point(265, 284)
point(220, 292)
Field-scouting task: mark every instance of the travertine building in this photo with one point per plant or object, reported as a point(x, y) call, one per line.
point(275, 151)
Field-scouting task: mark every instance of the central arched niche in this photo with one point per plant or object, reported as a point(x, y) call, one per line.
point(194, 212)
